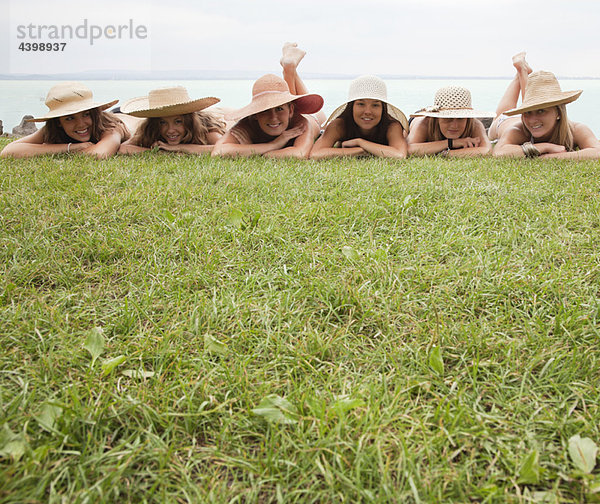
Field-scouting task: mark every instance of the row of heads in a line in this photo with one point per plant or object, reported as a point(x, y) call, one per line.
point(270, 91)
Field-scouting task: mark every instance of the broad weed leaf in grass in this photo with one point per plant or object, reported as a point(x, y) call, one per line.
point(545, 498)
point(137, 373)
point(49, 416)
point(350, 253)
point(169, 216)
point(8, 289)
point(583, 452)
point(594, 487)
point(436, 362)
point(213, 346)
point(380, 255)
point(235, 218)
point(276, 409)
point(11, 445)
point(530, 472)
point(542, 497)
point(94, 343)
point(343, 404)
point(109, 365)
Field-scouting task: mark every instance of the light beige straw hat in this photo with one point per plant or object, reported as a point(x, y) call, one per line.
point(271, 91)
point(369, 87)
point(453, 102)
point(164, 102)
point(543, 90)
point(69, 98)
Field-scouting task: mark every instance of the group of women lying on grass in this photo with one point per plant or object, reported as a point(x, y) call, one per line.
point(285, 120)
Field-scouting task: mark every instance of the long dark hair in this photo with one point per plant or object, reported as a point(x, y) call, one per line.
point(257, 135)
point(101, 122)
point(379, 133)
point(197, 127)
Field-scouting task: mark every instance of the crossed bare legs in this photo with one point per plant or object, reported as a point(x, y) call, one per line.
point(291, 57)
point(510, 98)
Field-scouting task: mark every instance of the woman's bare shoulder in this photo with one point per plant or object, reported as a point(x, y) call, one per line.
point(516, 131)
point(33, 138)
point(417, 131)
point(336, 126)
point(580, 127)
point(583, 136)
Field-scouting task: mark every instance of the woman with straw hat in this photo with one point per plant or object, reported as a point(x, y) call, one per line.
point(173, 122)
point(74, 123)
point(543, 129)
point(366, 124)
point(282, 119)
point(450, 127)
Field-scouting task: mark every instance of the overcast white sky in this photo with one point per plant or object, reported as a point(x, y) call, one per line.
point(350, 37)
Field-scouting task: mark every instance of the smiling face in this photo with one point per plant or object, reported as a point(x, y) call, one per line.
point(275, 121)
point(367, 114)
point(172, 129)
point(541, 122)
point(452, 127)
point(77, 126)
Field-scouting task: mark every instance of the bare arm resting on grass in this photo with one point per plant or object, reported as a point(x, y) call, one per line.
point(477, 145)
point(324, 146)
point(515, 135)
point(32, 145)
point(540, 125)
point(237, 142)
point(130, 148)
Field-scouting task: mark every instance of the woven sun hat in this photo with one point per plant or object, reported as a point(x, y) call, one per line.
point(271, 91)
point(69, 98)
point(369, 87)
point(164, 102)
point(543, 90)
point(453, 102)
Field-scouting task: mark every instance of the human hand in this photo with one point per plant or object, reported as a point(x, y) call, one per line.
point(547, 149)
point(288, 134)
point(164, 146)
point(353, 142)
point(79, 146)
point(467, 142)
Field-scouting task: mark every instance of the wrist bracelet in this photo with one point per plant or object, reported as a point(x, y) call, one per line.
point(450, 147)
point(445, 152)
point(68, 147)
point(530, 150)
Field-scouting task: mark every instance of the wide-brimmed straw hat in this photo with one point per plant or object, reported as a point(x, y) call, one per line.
point(69, 98)
point(543, 90)
point(271, 91)
point(452, 102)
point(164, 102)
point(370, 87)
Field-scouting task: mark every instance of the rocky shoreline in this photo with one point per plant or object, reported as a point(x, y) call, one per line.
point(23, 129)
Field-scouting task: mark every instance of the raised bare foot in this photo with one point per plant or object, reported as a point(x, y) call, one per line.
point(291, 54)
point(520, 64)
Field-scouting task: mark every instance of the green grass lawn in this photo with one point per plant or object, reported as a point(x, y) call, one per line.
point(185, 329)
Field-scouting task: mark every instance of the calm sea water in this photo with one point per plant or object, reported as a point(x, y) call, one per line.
point(27, 97)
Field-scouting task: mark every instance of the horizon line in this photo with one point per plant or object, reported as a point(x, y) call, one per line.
point(243, 75)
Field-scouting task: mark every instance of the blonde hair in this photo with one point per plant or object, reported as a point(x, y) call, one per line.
point(197, 127)
point(434, 132)
point(562, 134)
